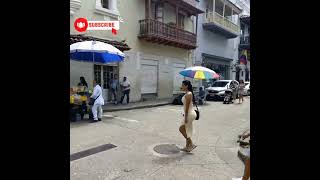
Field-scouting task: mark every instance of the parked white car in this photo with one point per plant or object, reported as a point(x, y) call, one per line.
point(218, 88)
point(247, 88)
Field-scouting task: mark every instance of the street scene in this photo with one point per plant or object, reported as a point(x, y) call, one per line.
point(136, 133)
point(160, 89)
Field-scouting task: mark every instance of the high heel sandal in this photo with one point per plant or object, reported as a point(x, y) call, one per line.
point(191, 148)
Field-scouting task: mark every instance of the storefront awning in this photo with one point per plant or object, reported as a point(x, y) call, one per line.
point(122, 46)
point(216, 59)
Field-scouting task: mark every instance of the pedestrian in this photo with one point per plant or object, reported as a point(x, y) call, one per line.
point(234, 87)
point(246, 174)
point(202, 94)
point(98, 103)
point(125, 84)
point(114, 88)
point(83, 91)
point(83, 82)
point(241, 90)
point(189, 115)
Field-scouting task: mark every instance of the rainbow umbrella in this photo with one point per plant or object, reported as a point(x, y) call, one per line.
point(199, 72)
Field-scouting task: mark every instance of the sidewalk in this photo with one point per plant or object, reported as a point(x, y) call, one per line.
point(136, 105)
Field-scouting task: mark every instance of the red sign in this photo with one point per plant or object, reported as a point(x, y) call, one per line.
point(81, 24)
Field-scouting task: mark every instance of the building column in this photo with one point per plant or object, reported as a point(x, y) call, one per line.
point(214, 6)
point(224, 8)
point(177, 15)
point(114, 5)
point(148, 9)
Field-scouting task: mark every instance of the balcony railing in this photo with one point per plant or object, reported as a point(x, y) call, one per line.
point(192, 2)
point(213, 17)
point(245, 40)
point(161, 33)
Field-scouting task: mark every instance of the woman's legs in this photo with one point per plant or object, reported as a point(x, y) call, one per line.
point(182, 130)
point(240, 97)
point(246, 174)
point(189, 144)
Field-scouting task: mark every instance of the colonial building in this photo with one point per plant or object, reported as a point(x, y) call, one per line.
point(94, 10)
point(218, 36)
point(243, 70)
point(243, 65)
point(159, 33)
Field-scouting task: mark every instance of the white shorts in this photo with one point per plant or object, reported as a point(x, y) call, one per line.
point(247, 152)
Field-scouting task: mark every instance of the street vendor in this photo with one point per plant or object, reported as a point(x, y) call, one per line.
point(83, 82)
point(83, 86)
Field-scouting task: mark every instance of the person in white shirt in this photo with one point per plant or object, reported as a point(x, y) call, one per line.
point(98, 103)
point(125, 84)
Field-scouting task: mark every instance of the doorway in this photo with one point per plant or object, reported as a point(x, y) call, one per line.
point(103, 74)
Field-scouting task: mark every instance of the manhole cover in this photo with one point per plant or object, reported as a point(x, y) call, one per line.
point(166, 149)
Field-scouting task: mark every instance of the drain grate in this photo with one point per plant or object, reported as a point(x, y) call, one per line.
point(167, 149)
point(91, 151)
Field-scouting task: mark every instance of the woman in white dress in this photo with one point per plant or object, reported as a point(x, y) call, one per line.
point(189, 115)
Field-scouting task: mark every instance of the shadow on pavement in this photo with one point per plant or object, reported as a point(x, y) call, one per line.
point(169, 160)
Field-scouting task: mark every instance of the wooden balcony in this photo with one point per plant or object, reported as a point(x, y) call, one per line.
point(161, 33)
point(219, 24)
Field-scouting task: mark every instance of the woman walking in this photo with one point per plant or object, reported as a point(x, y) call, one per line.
point(190, 115)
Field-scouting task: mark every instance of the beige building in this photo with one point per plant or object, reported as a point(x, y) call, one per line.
point(160, 34)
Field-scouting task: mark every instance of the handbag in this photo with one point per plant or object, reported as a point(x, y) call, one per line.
point(197, 112)
point(92, 100)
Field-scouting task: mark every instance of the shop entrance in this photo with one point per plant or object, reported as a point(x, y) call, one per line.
point(103, 75)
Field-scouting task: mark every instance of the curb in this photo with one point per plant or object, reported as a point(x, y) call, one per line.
point(137, 107)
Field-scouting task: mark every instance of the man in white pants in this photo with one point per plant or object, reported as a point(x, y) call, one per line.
point(99, 101)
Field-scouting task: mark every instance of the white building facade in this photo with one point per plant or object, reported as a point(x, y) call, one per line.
point(159, 41)
point(243, 67)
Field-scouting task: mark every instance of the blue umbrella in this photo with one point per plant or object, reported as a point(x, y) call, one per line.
point(95, 51)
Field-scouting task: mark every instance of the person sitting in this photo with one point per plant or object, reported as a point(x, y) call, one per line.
point(202, 94)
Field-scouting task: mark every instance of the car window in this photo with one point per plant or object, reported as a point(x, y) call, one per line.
point(246, 83)
point(219, 84)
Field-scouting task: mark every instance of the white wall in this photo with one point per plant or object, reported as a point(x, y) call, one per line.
point(78, 69)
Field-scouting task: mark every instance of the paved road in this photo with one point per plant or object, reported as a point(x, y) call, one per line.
point(136, 132)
